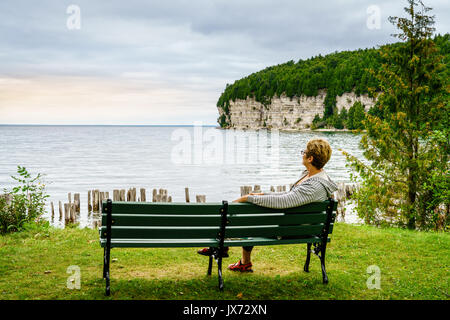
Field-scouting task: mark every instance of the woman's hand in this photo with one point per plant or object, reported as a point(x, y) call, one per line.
point(242, 199)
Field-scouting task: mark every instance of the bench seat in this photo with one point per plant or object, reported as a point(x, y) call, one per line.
point(189, 243)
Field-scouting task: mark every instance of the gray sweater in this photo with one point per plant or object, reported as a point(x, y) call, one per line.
point(317, 188)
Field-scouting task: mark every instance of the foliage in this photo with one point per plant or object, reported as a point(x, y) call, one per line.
point(27, 202)
point(356, 116)
point(406, 178)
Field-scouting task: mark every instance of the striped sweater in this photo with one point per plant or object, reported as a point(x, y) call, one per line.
point(319, 187)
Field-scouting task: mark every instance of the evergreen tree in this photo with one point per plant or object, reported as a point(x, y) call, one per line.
point(406, 180)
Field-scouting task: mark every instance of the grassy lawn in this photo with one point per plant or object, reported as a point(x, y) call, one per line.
point(414, 265)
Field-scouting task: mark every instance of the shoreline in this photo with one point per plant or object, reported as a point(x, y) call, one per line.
point(293, 130)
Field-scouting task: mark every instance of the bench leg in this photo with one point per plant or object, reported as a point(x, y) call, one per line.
point(308, 257)
point(106, 270)
point(322, 263)
point(219, 267)
point(210, 265)
point(104, 264)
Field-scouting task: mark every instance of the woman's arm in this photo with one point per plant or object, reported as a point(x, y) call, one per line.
point(308, 191)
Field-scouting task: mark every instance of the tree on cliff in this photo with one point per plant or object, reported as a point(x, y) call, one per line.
point(406, 178)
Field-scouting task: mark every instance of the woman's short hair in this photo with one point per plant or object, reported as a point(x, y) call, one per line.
point(320, 150)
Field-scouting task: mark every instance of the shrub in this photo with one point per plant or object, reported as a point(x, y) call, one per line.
point(24, 203)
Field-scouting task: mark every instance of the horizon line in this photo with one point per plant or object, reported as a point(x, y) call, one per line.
point(109, 125)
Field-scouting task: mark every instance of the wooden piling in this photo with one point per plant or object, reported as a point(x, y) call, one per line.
point(95, 198)
point(76, 199)
point(73, 213)
point(66, 213)
point(122, 195)
point(131, 194)
point(200, 198)
point(142, 191)
point(60, 211)
point(53, 210)
point(89, 202)
point(186, 193)
point(102, 197)
point(155, 193)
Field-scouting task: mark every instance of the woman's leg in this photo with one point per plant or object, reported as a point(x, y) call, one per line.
point(246, 253)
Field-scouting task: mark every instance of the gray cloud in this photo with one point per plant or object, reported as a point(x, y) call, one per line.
point(197, 45)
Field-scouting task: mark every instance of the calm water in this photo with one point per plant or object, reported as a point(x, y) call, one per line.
point(208, 160)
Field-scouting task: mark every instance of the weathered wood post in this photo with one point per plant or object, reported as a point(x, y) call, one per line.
point(143, 199)
point(200, 198)
point(272, 189)
point(95, 197)
point(131, 194)
point(116, 195)
point(73, 214)
point(186, 193)
point(60, 211)
point(89, 201)
point(154, 195)
point(53, 210)
point(122, 195)
point(66, 213)
point(76, 199)
point(102, 197)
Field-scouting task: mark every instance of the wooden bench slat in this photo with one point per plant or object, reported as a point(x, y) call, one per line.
point(273, 231)
point(277, 219)
point(170, 232)
point(124, 219)
point(249, 208)
point(120, 219)
point(165, 207)
point(191, 243)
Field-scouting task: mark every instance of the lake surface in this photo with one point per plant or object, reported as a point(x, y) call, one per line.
point(208, 160)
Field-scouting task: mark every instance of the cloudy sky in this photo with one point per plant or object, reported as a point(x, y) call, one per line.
point(165, 62)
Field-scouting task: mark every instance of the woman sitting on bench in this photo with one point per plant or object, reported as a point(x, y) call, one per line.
point(313, 185)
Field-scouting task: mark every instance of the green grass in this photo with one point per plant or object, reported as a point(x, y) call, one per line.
point(414, 265)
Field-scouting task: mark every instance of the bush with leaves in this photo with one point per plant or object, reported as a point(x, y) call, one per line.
point(406, 143)
point(24, 203)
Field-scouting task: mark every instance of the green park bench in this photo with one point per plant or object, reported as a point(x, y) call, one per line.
point(214, 225)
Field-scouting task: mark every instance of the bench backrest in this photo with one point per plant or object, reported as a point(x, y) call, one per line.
point(249, 220)
point(179, 220)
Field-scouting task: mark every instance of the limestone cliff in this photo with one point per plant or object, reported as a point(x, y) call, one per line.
point(284, 112)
